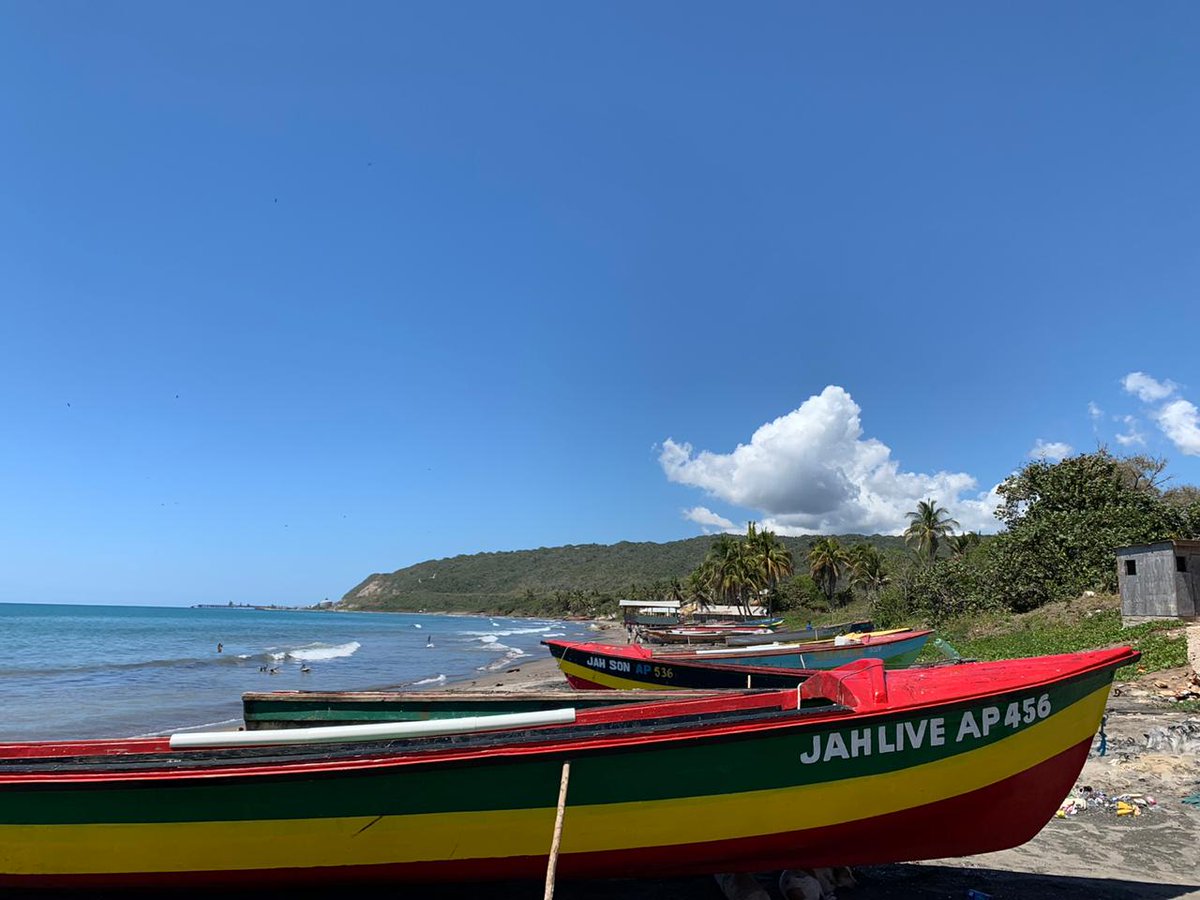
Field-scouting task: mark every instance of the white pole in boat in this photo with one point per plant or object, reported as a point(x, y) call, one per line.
point(558, 823)
point(373, 731)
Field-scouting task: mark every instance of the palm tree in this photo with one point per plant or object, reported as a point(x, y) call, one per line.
point(867, 570)
point(727, 569)
point(962, 544)
point(675, 591)
point(927, 527)
point(827, 561)
point(770, 560)
point(696, 586)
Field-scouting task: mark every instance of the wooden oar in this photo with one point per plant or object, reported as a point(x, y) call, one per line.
point(558, 824)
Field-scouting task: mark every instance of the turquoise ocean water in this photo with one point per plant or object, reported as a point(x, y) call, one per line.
point(116, 671)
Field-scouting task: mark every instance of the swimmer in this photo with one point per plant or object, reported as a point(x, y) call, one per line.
point(219, 648)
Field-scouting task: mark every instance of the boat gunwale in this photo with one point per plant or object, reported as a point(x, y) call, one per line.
point(800, 718)
point(707, 661)
point(819, 646)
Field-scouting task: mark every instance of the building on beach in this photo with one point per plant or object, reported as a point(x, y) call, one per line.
point(1159, 581)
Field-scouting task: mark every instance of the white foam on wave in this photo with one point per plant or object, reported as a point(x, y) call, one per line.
point(511, 656)
point(315, 652)
point(438, 680)
point(508, 632)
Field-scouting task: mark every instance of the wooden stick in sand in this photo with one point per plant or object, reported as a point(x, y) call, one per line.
point(558, 823)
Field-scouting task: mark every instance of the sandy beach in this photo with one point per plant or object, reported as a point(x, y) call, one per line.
point(538, 674)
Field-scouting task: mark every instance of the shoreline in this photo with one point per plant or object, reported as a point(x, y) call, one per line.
point(538, 674)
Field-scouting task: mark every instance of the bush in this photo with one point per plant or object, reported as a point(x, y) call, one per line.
point(892, 609)
point(948, 588)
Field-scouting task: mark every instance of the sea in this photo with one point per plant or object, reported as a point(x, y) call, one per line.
point(71, 671)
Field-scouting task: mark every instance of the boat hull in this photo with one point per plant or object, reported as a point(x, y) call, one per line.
point(601, 667)
point(817, 633)
point(306, 709)
point(835, 786)
point(894, 650)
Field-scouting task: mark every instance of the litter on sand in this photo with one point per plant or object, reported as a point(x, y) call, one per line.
point(1089, 799)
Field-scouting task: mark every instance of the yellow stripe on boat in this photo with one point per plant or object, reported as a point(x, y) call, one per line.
point(614, 682)
point(302, 843)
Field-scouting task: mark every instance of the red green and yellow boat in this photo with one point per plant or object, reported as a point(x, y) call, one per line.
point(859, 765)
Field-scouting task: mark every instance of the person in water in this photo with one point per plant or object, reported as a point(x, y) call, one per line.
point(220, 647)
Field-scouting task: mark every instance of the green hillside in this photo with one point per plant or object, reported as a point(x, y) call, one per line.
point(522, 580)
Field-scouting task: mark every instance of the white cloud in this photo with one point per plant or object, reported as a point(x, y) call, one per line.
point(1180, 421)
point(811, 471)
point(1095, 411)
point(1051, 450)
point(705, 517)
point(1147, 389)
point(1132, 435)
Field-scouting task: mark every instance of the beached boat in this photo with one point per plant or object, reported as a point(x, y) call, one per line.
point(605, 667)
point(745, 636)
point(810, 633)
point(858, 766)
point(897, 648)
point(634, 665)
point(307, 709)
point(704, 635)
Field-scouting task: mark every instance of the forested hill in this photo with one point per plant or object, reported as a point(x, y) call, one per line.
point(518, 581)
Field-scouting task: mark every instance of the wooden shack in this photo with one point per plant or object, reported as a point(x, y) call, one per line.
point(1159, 581)
point(655, 613)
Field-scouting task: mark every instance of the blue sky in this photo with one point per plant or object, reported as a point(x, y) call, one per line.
point(294, 293)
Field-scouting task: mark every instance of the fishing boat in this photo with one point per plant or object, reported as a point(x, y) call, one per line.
point(605, 667)
point(685, 634)
point(306, 709)
point(856, 766)
point(636, 663)
point(808, 633)
point(897, 648)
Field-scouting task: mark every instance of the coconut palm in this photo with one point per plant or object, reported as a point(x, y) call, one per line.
point(827, 561)
point(675, 592)
point(928, 524)
point(770, 559)
point(867, 570)
point(696, 587)
point(727, 569)
point(962, 544)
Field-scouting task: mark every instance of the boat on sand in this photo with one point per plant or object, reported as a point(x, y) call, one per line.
point(588, 664)
point(859, 765)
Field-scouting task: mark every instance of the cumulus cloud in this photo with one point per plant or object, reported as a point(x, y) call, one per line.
point(1180, 421)
point(1132, 435)
point(811, 471)
point(1095, 411)
point(706, 518)
point(1147, 389)
point(1051, 450)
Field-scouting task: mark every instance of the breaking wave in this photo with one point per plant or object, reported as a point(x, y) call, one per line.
point(318, 651)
